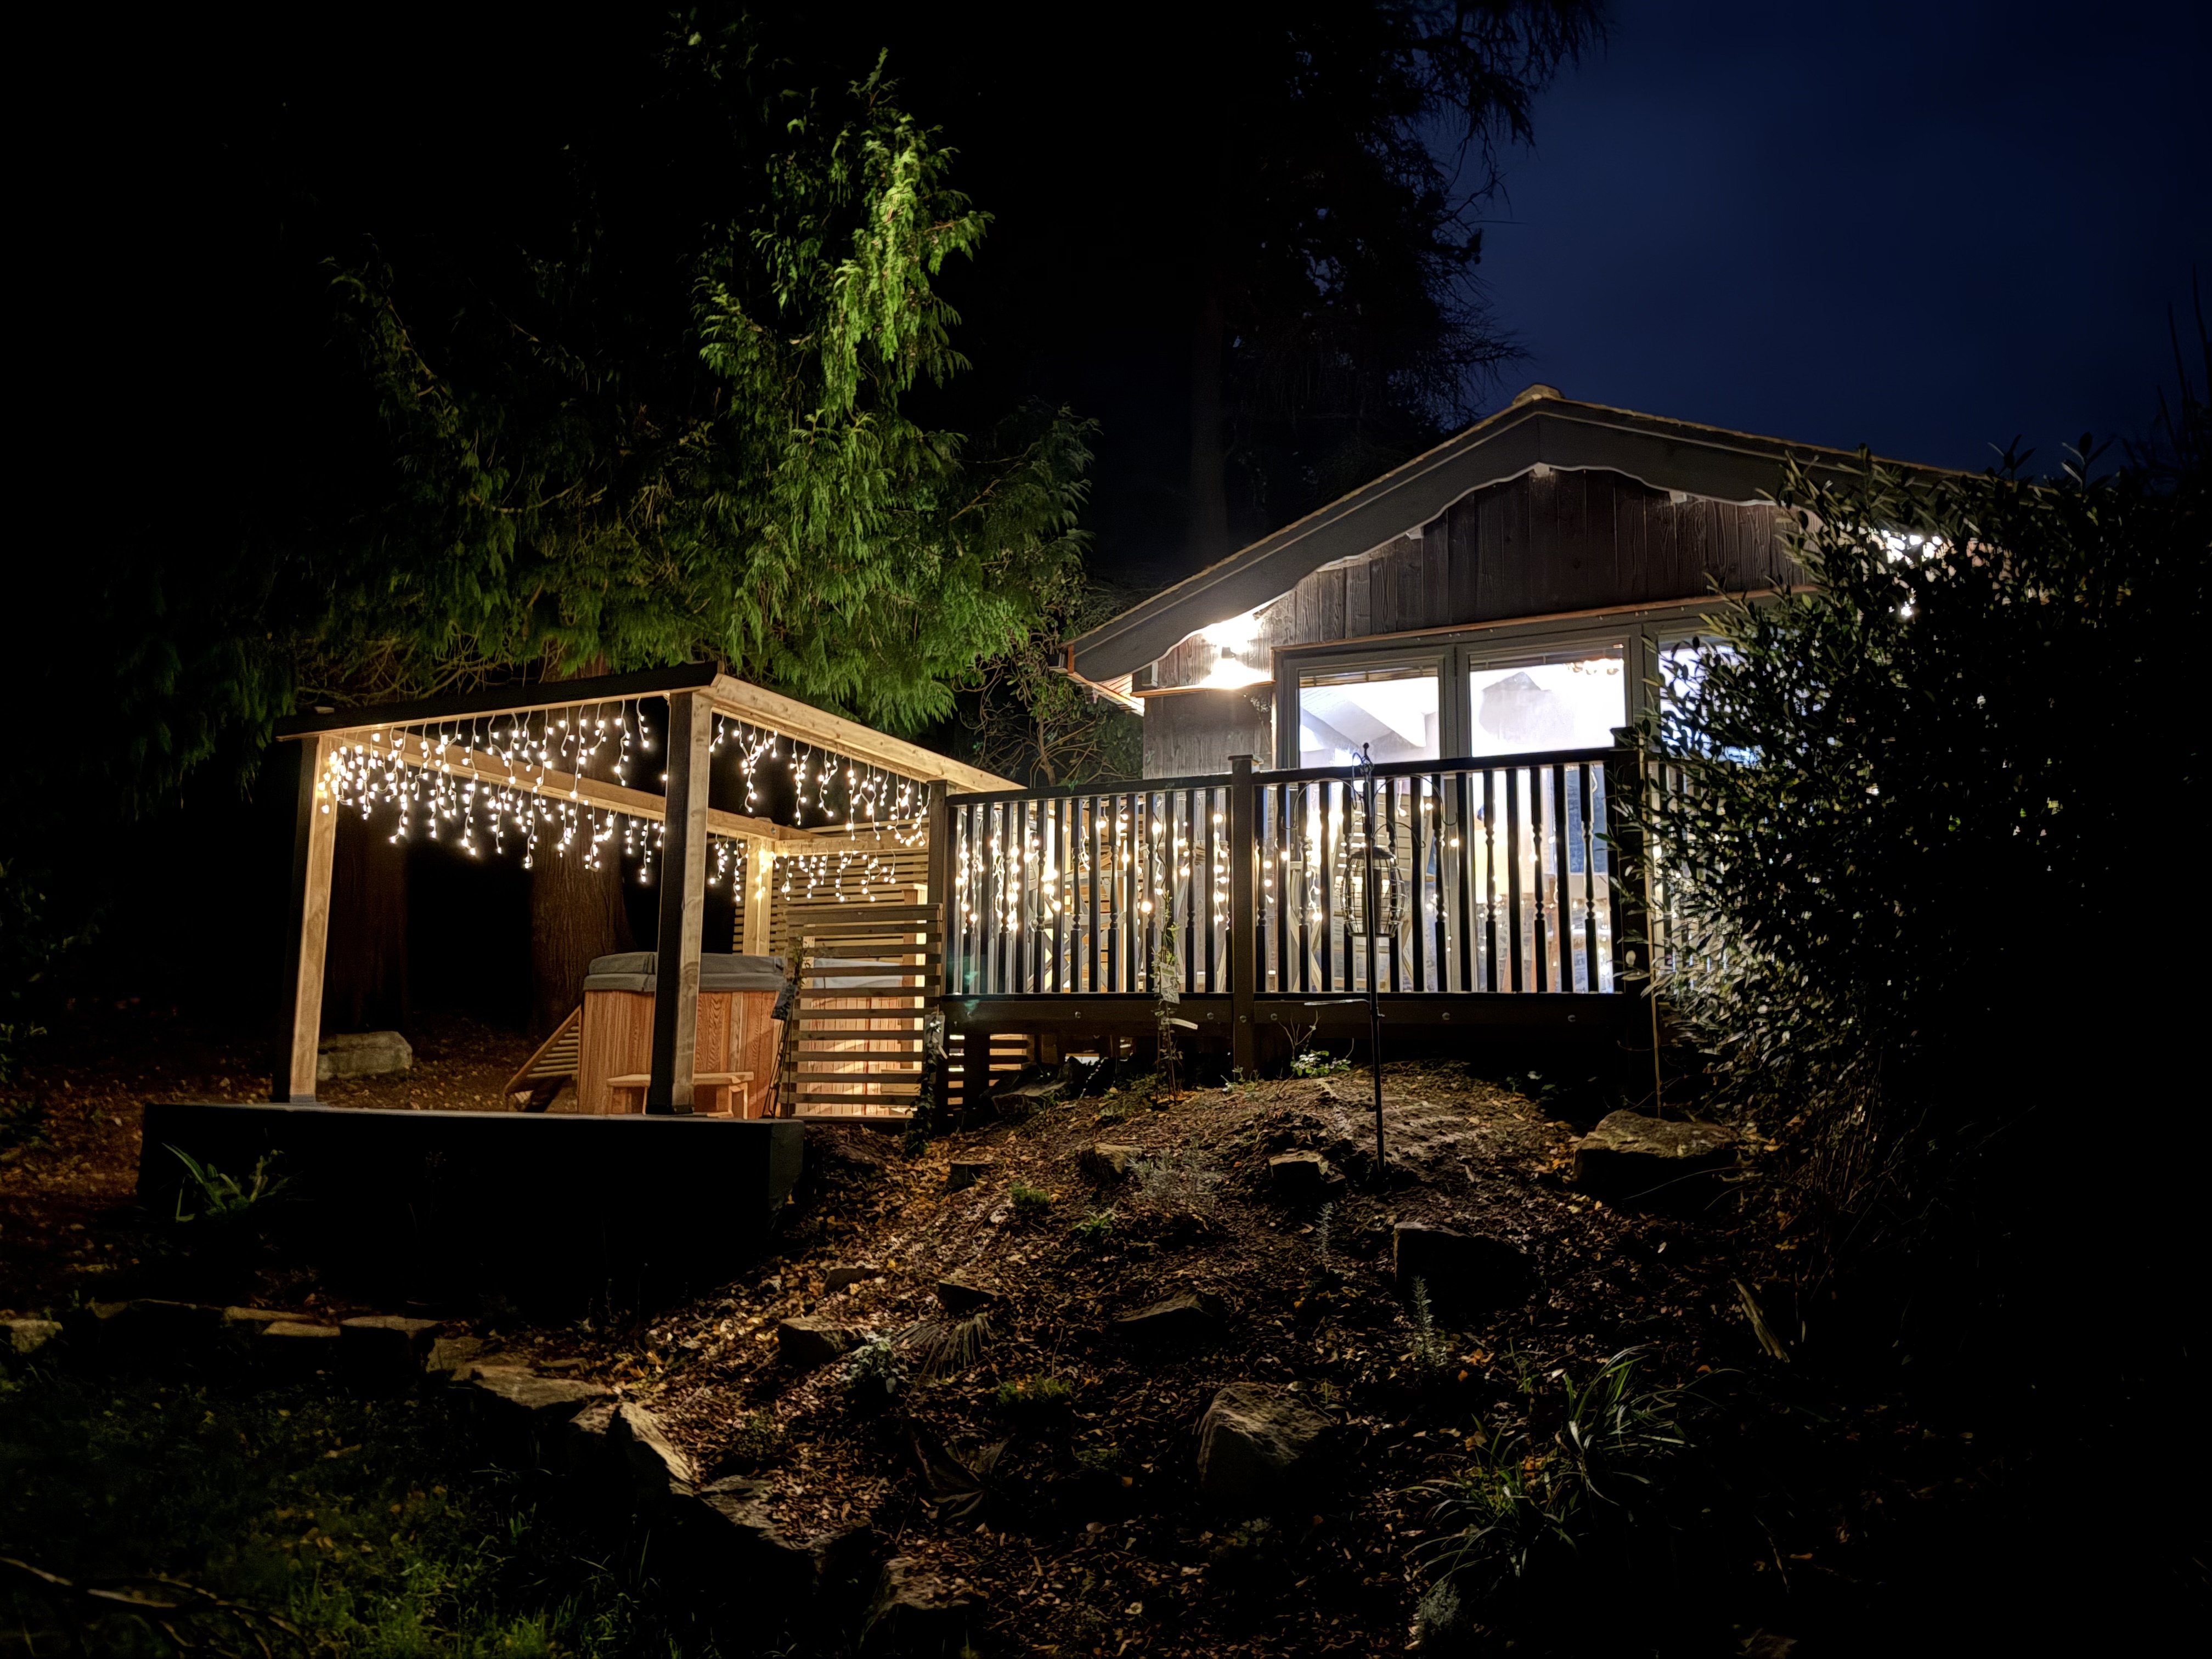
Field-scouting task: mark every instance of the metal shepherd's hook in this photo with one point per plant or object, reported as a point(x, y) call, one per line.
point(1366, 772)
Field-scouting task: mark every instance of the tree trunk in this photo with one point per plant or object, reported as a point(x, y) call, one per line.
point(1208, 534)
point(365, 978)
point(576, 913)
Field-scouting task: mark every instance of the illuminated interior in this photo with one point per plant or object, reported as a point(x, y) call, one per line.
point(1534, 707)
point(1393, 710)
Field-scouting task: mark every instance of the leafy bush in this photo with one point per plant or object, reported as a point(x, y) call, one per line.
point(1884, 810)
point(1031, 1203)
point(874, 1374)
point(1526, 1499)
point(1319, 1062)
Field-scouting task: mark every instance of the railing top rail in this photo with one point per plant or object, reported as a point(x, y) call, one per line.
point(1095, 791)
point(1302, 774)
point(1459, 763)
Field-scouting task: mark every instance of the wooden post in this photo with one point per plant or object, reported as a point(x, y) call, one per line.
point(314, 838)
point(938, 816)
point(760, 876)
point(1243, 917)
point(683, 906)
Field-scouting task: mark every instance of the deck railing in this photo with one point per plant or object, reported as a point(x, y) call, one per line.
point(1492, 876)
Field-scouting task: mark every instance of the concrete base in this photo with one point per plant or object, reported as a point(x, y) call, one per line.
point(570, 1210)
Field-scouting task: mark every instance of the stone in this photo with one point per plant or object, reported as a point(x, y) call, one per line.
point(1630, 1157)
point(1016, 1105)
point(1301, 1176)
point(22, 1338)
point(388, 1346)
point(1103, 1165)
point(806, 1344)
point(522, 1395)
point(961, 1298)
point(1183, 1319)
point(1460, 1271)
point(915, 1612)
point(964, 1172)
point(363, 1054)
point(296, 1347)
point(657, 1469)
point(843, 1279)
point(727, 1532)
point(252, 1321)
point(452, 1356)
point(582, 1449)
point(1256, 1448)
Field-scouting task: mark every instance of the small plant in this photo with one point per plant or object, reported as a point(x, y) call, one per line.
point(1527, 1498)
point(759, 1442)
point(1099, 1460)
point(1324, 1236)
point(1036, 1400)
point(1319, 1062)
point(225, 1197)
point(1031, 1203)
point(943, 1348)
point(1095, 1229)
point(875, 1374)
point(1429, 1348)
point(23, 1122)
point(1179, 1179)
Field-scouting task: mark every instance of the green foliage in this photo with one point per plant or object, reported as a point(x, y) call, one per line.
point(1886, 802)
point(31, 947)
point(371, 1527)
point(1031, 1203)
point(1100, 1460)
point(756, 1442)
point(875, 1374)
point(1319, 1062)
point(1029, 719)
point(1526, 1499)
point(1037, 1401)
point(226, 1197)
point(1430, 1353)
point(1095, 1229)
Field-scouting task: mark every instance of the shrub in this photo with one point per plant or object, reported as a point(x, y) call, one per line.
point(874, 1374)
point(226, 1197)
point(1319, 1062)
point(1031, 1203)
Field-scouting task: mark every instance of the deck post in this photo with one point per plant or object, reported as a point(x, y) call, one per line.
point(314, 839)
point(683, 906)
point(1635, 960)
point(937, 820)
point(760, 881)
point(1243, 917)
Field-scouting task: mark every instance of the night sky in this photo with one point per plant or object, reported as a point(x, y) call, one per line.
point(1922, 227)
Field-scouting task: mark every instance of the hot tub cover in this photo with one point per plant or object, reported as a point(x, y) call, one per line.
point(718, 970)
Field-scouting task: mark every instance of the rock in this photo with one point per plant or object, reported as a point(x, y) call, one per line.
point(294, 1347)
point(22, 1338)
point(914, 1613)
point(1298, 1176)
point(1631, 1158)
point(1103, 1165)
point(964, 1172)
point(806, 1344)
point(1015, 1105)
point(657, 1468)
point(1460, 1271)
point(452, 1356)
point(582, 1449)
point(727, 1530)
point(521, 1395)
point(252, 1321)
point(363, 1054)
point(843, 1279)
point(1182, 1319)
point(1255, 1447)
point(386, 1346)
point(961, 1298)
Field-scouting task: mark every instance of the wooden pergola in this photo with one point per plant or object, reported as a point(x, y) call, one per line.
point(695, 695)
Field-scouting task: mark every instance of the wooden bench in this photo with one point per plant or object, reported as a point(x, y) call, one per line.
point(712, 1092)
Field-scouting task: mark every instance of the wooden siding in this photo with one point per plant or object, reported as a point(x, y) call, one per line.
point(1195, 733)
point(1532, 546)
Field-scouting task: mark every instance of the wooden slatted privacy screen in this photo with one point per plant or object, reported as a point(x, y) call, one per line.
point(866, 974)
point(1492, 876)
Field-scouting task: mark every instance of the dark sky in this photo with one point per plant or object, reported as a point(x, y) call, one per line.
point(1923, 228)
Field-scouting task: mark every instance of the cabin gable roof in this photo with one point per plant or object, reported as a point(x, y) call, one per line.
point(1540, 429)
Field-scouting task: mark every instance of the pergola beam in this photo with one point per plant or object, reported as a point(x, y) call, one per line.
point(757, 706)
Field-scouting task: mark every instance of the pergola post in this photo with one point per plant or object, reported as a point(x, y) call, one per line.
point(683, 905)
point(314, 839)
point(760, 883)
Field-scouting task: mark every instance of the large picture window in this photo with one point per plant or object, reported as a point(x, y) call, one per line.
point(1392, 708)
point(1562, 700)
